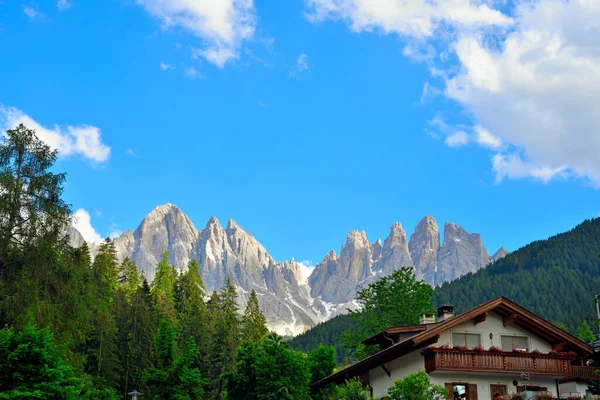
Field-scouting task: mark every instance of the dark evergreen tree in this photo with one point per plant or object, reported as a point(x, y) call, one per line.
point(225, 337)
point(254, 324)
point(103, 361)
point(163, 289)
point(175, 376)
point(190, 306)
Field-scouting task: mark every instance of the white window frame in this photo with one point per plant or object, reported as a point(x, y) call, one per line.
point(466, 333)
point(527, 337)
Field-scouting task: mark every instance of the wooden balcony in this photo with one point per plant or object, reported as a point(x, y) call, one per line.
point(497, 362)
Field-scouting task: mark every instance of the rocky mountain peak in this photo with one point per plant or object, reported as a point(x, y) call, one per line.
point(460, 253)
point(423, 246)
point(232, 225)
point(501, 253)
point(394, 253)
point(376, 250)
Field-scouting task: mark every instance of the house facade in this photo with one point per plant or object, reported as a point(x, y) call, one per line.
point(497, 348)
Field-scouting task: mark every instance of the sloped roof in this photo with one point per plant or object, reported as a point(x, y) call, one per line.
point(500, 305)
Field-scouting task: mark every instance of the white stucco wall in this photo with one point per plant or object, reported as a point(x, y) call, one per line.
point(398, 368)
point(573, 388)
point(414, 362)
point(493, 324)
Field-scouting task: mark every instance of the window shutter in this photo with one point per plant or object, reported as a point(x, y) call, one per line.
point(450, 389)
point(472, 392)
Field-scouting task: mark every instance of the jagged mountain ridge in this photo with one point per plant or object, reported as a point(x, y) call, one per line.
point(336, 278)
point(290, 304)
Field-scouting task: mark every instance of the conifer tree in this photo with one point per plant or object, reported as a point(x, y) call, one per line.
point(142, 337)
point(129, 278)
point(163, 289)
point(103, 362)
point(254, 323)
point(175, 376)
point(225, 338)
point(31, 207)
point(191, 309)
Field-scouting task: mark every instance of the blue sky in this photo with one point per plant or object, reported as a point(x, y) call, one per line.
point(303, 120)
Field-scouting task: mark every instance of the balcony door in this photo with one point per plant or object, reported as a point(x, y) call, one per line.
point(461, 391)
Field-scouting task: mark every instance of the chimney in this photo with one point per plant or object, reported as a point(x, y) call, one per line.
point(444, 312)
point(427, 319)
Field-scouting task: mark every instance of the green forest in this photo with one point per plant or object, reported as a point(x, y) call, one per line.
point(74, 328)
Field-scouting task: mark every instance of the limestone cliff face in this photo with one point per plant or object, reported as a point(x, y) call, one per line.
point(335, 279)
point(394, 254)
point(424, 246)
point(460, 253)
point(290, 303)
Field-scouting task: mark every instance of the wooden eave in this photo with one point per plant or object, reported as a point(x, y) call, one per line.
point(394, 333)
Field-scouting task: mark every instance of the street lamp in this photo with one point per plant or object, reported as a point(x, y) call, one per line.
point(135, 395)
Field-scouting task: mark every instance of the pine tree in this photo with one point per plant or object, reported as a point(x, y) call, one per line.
point(129, 279)
point(254, 323)
point(103, 362)
point(225, 338)
point(191, 309)
point(163, 289)
point(142, 337)
point(175, 376)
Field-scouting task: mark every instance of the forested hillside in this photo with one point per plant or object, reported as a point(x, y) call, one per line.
point(556, 278)
point(327, 333)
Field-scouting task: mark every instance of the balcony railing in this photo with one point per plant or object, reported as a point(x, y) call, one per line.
point(503, 362)
point(585, 372)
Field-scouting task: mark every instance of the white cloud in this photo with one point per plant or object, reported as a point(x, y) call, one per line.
point(457, 139)
point(306, 267)
point(63, 5)
point(82, 140)
point(164, 66)
point(486, 139)
point(221, 25)
point(512, 166)
point(82, 222)
point(538, 90)
point(192, 73)
point(412, 18)
point(301, 65)
point(32, 13)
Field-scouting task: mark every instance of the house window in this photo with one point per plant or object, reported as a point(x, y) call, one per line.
point(515, 342)
point(468, 340)
point(461, 391)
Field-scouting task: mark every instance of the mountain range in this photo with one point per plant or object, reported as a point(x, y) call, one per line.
point(290, 303)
